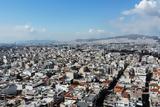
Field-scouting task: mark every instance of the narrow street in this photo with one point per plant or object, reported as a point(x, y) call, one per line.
point(145, 95)
point(98, 102)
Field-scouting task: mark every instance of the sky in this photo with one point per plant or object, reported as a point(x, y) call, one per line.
point(65, 20)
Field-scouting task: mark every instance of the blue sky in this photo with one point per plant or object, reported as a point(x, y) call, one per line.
point(72, 19)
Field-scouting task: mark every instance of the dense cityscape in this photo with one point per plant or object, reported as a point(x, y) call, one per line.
point(80, 75)
point(79, 53)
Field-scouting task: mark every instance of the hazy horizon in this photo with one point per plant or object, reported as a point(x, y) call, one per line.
point(65, 20)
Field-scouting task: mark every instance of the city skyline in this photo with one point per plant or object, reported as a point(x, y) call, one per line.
point(76, 19)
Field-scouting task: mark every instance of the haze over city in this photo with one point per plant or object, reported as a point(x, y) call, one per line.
point(76, 19)
point(79, 53)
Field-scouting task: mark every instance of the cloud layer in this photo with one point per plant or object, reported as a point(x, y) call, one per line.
point(29, 29)
point(145, 7)
point(21, 32)
point(144, 18)
point(94, 33)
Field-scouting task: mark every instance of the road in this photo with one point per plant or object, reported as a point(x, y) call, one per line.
point(98, 102)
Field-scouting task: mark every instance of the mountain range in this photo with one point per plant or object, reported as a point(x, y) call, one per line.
point(129, 37)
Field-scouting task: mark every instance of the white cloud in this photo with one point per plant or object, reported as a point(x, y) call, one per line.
point(96, 31)
point(148, 25)
point(29, 28)
point(121, 18)
point(145, 7)
point(91, 30)
point(43, 29)
point(144, 18)
point(21, 32)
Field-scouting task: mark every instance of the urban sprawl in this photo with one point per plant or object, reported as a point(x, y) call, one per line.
point(80, 75)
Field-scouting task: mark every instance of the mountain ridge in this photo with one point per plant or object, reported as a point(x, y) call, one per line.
point(129, 36)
